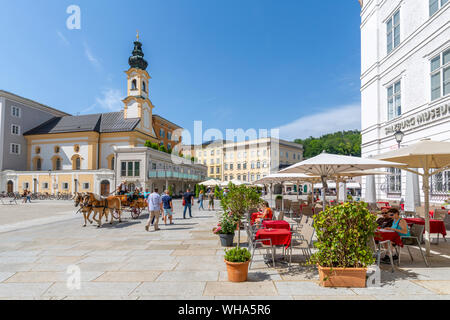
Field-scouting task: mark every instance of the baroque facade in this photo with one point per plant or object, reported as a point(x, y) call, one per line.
point(66, 154)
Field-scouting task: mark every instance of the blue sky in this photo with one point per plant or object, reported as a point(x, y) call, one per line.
point(292, 64)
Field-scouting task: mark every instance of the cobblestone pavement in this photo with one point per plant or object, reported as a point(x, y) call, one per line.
point(181, 261)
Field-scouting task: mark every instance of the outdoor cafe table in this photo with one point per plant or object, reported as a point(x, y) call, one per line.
point(279, 237)
point(276, 224)
point(436, 226)
point(384, 235)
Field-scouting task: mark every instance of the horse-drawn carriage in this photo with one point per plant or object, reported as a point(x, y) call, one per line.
point(135, 204)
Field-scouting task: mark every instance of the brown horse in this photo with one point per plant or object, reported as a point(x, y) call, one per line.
point(103, 206)
point(86, 210)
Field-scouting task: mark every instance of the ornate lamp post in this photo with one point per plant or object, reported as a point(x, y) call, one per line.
point(399, 135)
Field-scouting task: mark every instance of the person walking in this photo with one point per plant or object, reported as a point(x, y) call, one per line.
point(211, 200)
point(201, 197)
point(167, 206)
point(188, 201)
point(155, 206)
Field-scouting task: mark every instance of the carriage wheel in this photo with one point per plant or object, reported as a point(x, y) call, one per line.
point(115, 214)
point(135, 212)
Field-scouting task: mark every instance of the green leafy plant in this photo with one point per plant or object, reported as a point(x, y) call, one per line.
point(343, 235)
point(217, 193)
point(170, 190)
point(227, 225)
point(237, 255)
point(239, 200)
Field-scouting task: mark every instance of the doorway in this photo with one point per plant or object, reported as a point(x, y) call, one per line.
point(104, 188)
point(10, 186)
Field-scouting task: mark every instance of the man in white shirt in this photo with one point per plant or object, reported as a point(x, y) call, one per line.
point(155, 207)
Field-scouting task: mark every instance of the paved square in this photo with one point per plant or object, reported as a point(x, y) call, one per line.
point(40, 242)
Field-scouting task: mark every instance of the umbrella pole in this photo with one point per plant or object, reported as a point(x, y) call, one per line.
point(338, 182)
point(426, 190)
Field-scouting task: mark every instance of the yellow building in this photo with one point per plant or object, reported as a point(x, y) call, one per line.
point(247, 160)
point(77, 153)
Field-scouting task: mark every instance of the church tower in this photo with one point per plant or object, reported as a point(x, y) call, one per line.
point(137, 103)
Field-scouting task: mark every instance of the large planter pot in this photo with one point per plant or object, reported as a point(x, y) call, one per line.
point(227, 240)
point(343, 277)
point(237, 272)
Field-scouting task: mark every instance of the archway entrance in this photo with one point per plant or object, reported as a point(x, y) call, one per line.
point(104, 188)
point(10, 186)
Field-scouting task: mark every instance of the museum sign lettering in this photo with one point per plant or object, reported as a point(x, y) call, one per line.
point(421, 118)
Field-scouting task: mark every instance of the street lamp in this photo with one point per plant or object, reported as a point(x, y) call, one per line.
point(399, 135)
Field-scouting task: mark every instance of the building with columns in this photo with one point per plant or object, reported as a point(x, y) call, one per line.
point(405, 83)
point(64, 153)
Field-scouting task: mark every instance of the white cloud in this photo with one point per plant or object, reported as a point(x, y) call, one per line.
point(329, 121)
point(92, 59)
point(111, 100)
point(63, 39)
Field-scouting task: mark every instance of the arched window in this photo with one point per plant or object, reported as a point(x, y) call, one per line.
point(76, 162)
point(38, 150)
point(38, 164)
point(113, 162)
point(57, 149)
point(58, 164)
point(76, 148)
point(133, 84)
point(144, 86)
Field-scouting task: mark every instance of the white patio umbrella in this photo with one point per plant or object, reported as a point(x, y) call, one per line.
point(235, 182)
point(344, 176)
point(287, 177)
point(328, 166)
point(432, 157)
point(210, 183)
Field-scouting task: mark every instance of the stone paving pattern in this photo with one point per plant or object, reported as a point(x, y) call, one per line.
point(182, 261)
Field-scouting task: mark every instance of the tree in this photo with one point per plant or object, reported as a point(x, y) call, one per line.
point(238, 201)
point(342, 142)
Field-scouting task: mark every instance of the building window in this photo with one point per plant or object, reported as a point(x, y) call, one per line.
point(38, 164)
point(57, 164)
point(440, 75)
point(134, 85)
point(169, 146)
point(130, 168)
point(211, 170)
point(244, 178)
point(38, 150)
point(253, 165)
point(77, 163)
point(244, 166)
point(76, 148)
point(231, 166)
point(258, 165)
point(45, 186)
point(394, 100)
point(113, 163)
point(57, 149)
point(393, 31)
point(65, 186)
point(162, 133)
point(435, 5)
point(169, 135)
point(144, 86)
point(217, 170)
point(239, 177)
point(86, 185)
point(26, 185)
point(440, 183)
point(239, 167)
point(15, 148)
point(394, 180)
point(225, 178)
point(16, 112)
point(15, 129)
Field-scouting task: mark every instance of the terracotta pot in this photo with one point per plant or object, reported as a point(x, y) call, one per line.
point(343, 277)
point(237, 272)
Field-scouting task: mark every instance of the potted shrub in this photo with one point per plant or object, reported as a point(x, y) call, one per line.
point(226, 229)
point(343, 235)
point(237, 261)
